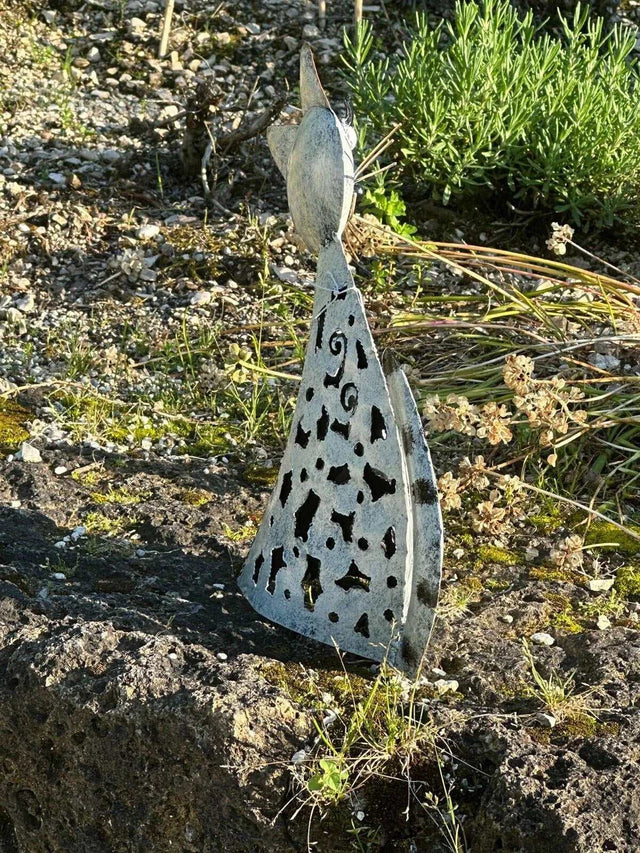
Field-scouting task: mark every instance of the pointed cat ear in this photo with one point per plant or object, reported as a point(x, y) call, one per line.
point(280, 139)
point(311, 91)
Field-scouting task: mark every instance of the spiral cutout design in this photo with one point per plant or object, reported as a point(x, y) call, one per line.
point(349, 397)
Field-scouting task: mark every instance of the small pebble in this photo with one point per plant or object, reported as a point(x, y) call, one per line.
point(541, 638)
point(603, 622)
point(148, 231)
point(59, 576)
point(172, 656)
point(446, 685)
point(222, 655)
point(507, 618)
point(29, 453)
point(548, 721)
point(60, 469)
point(201, 297)
point(601, 584)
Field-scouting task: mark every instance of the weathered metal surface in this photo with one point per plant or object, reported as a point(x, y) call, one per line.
point(350, 547)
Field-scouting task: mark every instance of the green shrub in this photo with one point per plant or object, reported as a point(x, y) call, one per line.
point(491, 103)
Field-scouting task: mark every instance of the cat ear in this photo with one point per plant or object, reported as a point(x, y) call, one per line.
point(280, 139)
point(311, 91)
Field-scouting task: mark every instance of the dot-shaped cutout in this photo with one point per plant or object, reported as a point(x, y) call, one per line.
point(271, 522)
point(319, 464)
point(358, 449)
point(392, 582)
point(296, 551)
point(388, 615)
point(303, 475)
point(363, 544)
point(331, 543)
point(360, 497)
point(351, 319)
point(333, 617)
point(287, 594)
point(309, 394)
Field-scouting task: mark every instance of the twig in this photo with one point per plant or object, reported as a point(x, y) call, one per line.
point(575, 504)
point(322, 14)
point(166, 28)
point(250, 129)
point(357, 13)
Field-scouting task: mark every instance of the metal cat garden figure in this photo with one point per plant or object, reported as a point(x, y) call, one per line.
point(350, 547)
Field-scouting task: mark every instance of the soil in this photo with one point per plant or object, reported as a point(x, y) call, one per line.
point(144, 706)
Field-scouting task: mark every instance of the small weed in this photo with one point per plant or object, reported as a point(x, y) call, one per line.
point(374, 731)
point(195, 497)
point(122, 495)
point(556, 694)
point(98, 524)
point(240, 534)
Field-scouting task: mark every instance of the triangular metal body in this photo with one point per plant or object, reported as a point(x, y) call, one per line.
point(349, 550)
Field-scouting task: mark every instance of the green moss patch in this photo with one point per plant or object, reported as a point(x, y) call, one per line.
point(628, 581)
point(603, 531)
point(13, 420)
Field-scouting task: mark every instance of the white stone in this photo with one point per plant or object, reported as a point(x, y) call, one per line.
point(222, 656)
point(603, 622)
point(29, 453)
point(57, 178)
point(310, 31)
point(93, 55)
point(601, 584)
point(27, 303)
point(541, 638)
point(78, 532)
point(547, 721)
point(201, 297)
point(148, 231)
point(531, 553)
point(59, 576)
point(146, 444)
point(60, 469)
point(446, 685)
point(507, 618)
point(253, 28)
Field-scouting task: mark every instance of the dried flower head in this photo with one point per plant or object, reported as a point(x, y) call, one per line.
point(494, 420)
point(560, 235)
point(489, 518)
point(449, 491)
point(568, 553)
point(473, 473)
point(518, 373)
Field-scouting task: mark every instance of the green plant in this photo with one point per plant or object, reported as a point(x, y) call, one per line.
point(491, 103)
point(387, 205)
point(556, 693)
point(378, 730)
point(330, 782)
